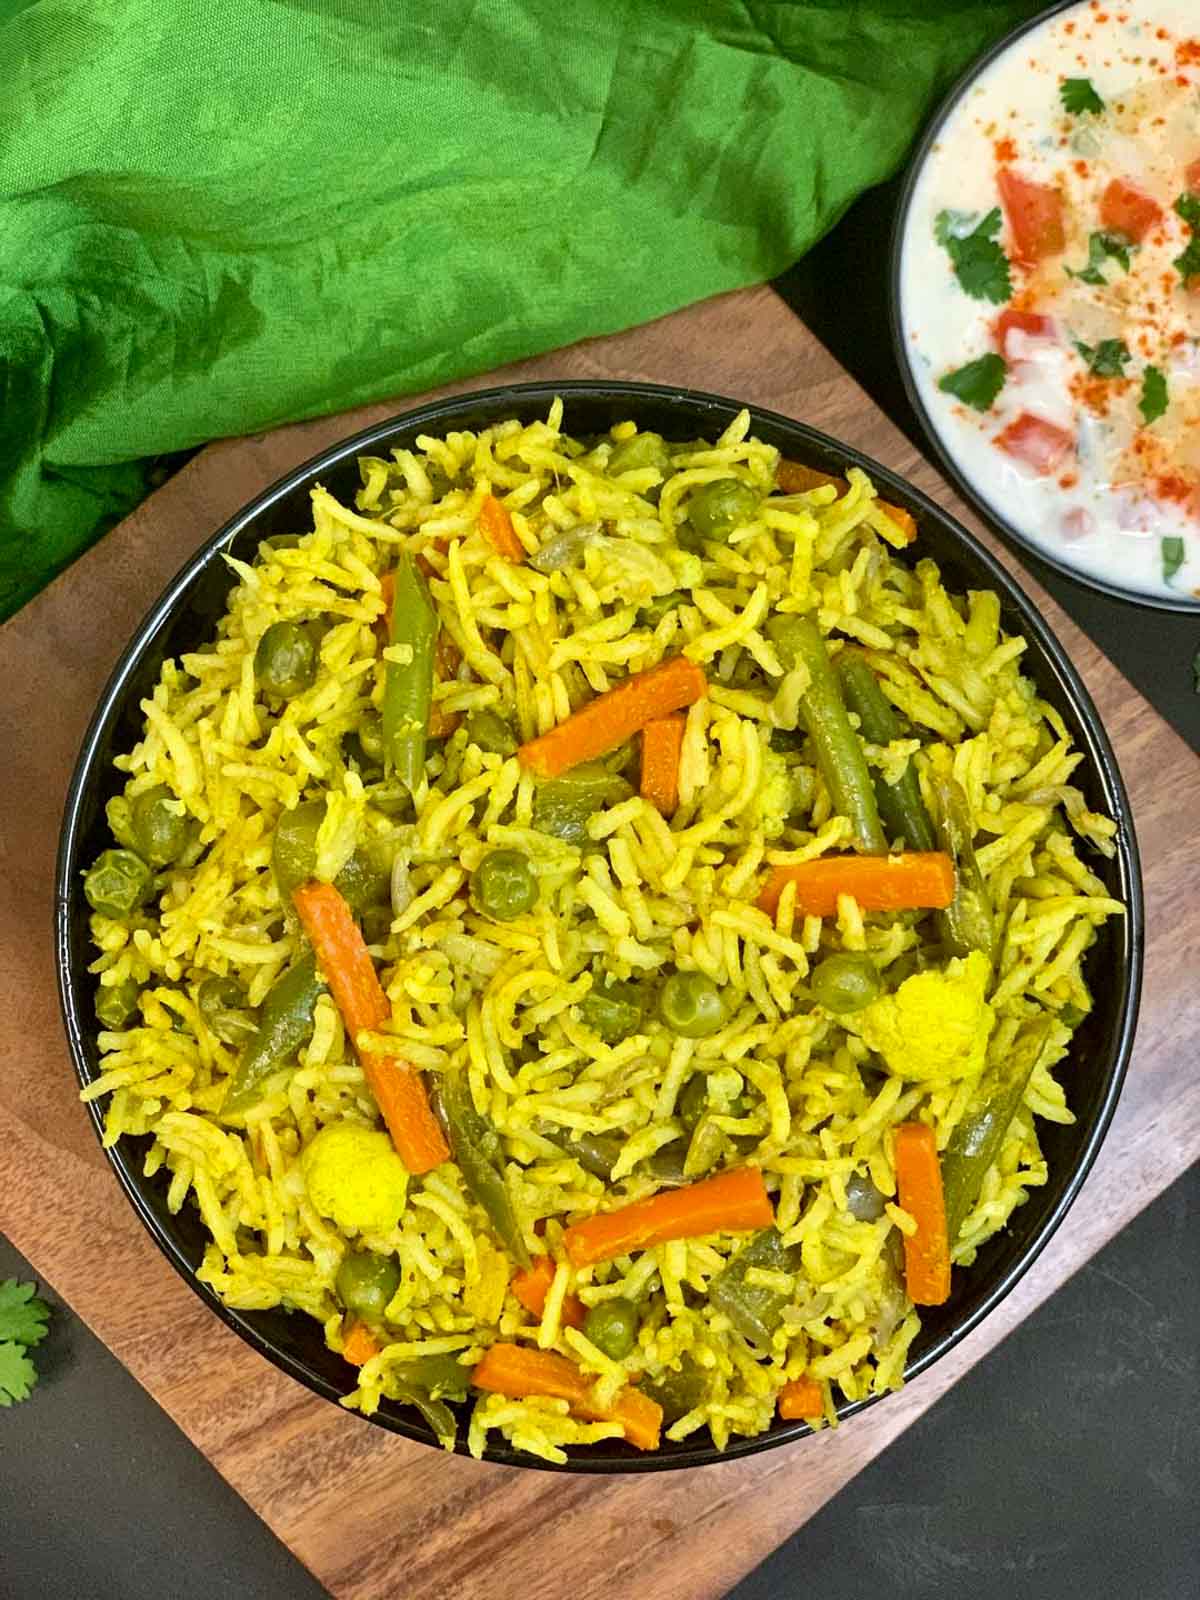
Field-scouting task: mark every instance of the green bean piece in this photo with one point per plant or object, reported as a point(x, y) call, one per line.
point(480, 1157)
point(422, 1383)
point(161, 832)
point(285, 661)
point(837, 747)
point(655, 610)
point(363, 881)
point(677, 1392)
point(612, 1326)
point(503, 885)
point(117, 883)
point(668, 1165)
point(222, 1003)
point(366, 879)
point(691, 1005)
point(900, 805)
point(755, 1312)
point(489, 731)
point(642, 451)
point(595, 1152)
point(364, 745)
point(716, 509)
point(408, 685)
point(366, 1282)
point(846, 982)
point(287, 1019)
point(977, 1140)
point(967, 923)
point(692, 1100)
point(117, 1004)
point(562, 806)
point(613, 1010)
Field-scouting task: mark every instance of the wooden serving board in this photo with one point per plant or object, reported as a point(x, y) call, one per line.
point(374, 1516)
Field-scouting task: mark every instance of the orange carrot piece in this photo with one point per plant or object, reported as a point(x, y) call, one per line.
point(531, 1285)
point(350, 973)
point(903, 519)
point(661, 742)
point(515, 1371)
point(497, 528)
point(915, 880)
point(731, 1202)
point(615, 716)
point(795, 478)
point(919, 1189)
point(802, 1397)
point(359, 1345)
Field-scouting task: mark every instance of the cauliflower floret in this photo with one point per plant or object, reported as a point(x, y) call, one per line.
point(775, 797)
point(935, 1026)
point(354, 1177)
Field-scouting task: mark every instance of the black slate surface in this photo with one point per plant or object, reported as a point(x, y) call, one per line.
point(1066, 1463)
point(840, 290)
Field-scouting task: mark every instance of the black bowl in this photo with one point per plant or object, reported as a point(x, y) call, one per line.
point(986, 509)
point(186, 615)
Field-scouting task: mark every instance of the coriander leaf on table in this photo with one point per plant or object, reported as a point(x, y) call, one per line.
point(17, 1373)
point(1106, 359)
point(978, 383)
point(1100, 247)
point(22, 1315)
point(1154, 395)
point(1079, 95)
point(1172, 557)
point(980, 265)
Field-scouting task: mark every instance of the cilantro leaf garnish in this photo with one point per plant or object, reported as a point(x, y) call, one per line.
point(1106, 359)
point(22, 1325)
point(1079, 95)
point(1154, 395)
point(1100, 247)
point(1187, 265)
point(978, 383)
point(1172, 557)
point(980, 265)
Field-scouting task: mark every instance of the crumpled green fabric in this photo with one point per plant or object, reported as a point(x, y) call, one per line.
point(220, 215)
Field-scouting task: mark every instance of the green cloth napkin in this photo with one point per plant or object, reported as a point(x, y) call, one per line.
point(220, 215)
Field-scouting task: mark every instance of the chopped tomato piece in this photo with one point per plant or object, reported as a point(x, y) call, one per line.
point(1124, 209)
point(1035, 441)
point(1035, 216)
point(1192, 177)
point(1028, 322)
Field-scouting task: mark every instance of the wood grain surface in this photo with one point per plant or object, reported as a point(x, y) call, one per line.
point(375, 1516)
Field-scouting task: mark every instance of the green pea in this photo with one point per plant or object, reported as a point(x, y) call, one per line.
point(691, 1005)
point(366, 1282)
point(160, 827)
point(693, 1100)
point(117, 883)
point(364, 744)
point(715, 510)
point(612, 1327)
point(613, 1010)
point(489, 731)
point(285, 662)
point(652, 614)
point(643, 450)
point(503, 885)
point(117, 1004)
point(846, 982)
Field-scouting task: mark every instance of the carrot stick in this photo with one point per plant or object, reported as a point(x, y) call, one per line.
point(531, 1285)
point(904, 520)
point(350, 973)
point(908, 882)
point(729, 1203)
point(513, 1370)
point(497, 528)
point(661, 741)
point(919, 1187)
point(611, 718)
point(802, 1397)
point(795, 478)
point(359, 1345)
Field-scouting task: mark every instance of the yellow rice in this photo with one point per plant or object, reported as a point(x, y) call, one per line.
point(500, 999)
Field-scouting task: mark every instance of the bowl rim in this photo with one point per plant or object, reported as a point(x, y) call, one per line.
point(1094, 741)
point(945, 456)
